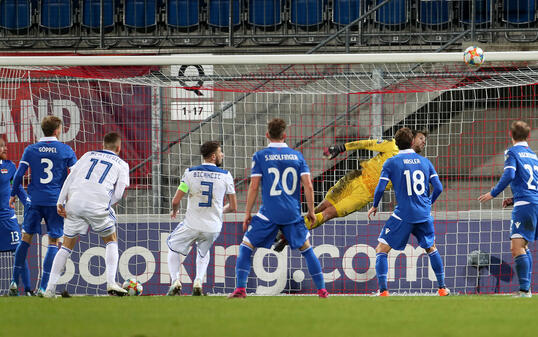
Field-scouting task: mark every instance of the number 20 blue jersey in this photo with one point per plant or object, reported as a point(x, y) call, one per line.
point(281, 169)
point(48, 160)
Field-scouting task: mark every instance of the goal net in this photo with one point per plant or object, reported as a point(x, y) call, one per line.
point(165, 107)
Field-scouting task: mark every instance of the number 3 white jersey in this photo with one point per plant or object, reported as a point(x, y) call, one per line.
point(207, 185)
point(94, 183)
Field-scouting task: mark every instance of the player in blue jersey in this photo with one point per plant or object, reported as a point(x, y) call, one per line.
point(10, 232)
point(411, 176)
point(49, 161)
point(521, 172)
point(280, 170)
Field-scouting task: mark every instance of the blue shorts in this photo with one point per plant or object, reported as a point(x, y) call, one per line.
point(524, 222)
point(10, 234)
point(262, 233)
point(396, 233)
point(34, 215)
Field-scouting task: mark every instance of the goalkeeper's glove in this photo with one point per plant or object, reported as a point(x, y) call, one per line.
point(334, 150)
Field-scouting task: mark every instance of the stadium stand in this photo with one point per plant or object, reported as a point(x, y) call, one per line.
point(90, 21)
point(386, 24)
point(183, 17)
point(394, 16)
point(434, 16)
point(56, 17)
point(16, 20)
point(520, 14)
point(307, 16)
point(140, 19)
point(265, 16)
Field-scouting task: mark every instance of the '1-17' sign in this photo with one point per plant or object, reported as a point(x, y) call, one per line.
point(187, 102)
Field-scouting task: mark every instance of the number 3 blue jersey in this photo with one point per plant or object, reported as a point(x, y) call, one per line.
point(523, 163)
point(281, 169)
point(48, 160)
point(410, 174)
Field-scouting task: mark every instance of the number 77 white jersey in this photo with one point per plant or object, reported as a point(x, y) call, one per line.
point(208, 185)
point(90, 186)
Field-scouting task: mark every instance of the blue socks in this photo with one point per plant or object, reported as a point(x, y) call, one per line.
point(242, 266)
point(47, 265)
point(314, 267)
point(25, 274)
point(522, 269)
point(20, 260)
point(529, 256)
point(381, 270)
point(437, 266)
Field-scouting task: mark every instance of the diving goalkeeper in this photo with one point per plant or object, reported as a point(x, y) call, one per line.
point(356, 189)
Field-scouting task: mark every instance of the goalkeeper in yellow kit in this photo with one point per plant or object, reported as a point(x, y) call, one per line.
point(356, 189)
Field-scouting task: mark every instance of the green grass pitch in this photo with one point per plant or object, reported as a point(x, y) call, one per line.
point(270, 316)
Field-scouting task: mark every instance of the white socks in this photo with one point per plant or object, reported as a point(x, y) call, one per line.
point(173, 265)
point(201, 265)
point(57, 266)
point(111, 261)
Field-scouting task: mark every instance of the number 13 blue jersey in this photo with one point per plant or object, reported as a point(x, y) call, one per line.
point(281, 169)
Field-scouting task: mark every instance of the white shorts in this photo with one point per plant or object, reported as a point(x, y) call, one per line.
point(183, 237)
point(103, 224)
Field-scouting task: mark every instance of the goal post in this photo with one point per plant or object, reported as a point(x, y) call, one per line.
point(166, 106)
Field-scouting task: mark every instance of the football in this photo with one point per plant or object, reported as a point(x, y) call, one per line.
point(133, 287)
point(473, 56)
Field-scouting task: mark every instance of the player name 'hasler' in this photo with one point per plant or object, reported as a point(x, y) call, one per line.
point(411, 161)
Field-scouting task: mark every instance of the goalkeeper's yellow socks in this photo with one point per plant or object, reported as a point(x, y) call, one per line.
point(319, 221)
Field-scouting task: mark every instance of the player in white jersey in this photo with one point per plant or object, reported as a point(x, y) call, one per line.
point(206, 185)
point(96, 182)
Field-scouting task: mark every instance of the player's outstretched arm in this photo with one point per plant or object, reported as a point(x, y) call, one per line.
point(252, 195)
point(507, 177)
point(334, 150)
point(231, 206)
point(372, 145)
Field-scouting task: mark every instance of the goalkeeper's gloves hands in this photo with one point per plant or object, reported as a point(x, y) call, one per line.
point(334, 150)
point(508, 202)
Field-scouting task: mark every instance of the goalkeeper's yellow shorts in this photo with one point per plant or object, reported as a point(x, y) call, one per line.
point(349, 194)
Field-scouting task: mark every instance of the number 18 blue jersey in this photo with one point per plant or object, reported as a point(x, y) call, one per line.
point(281, 169)
point(410, 174)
